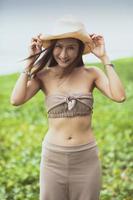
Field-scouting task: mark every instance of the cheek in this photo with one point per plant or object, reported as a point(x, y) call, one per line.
point(56, 52)
point(74, 53)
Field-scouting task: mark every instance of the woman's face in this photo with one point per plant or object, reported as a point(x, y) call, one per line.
point(65, 51)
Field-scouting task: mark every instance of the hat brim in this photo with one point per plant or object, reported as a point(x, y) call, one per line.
point(83, 36)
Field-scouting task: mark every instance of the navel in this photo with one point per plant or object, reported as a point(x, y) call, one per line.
point(69, 138)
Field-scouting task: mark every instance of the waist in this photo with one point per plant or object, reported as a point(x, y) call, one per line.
point(68, 138)
point(72, 148)
point(69, 131)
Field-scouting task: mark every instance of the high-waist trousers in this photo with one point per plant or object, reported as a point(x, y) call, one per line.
point(70, 172)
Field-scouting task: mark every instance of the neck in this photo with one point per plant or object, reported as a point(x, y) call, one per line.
point(61, 72)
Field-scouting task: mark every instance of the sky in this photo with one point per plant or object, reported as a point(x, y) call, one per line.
point(22, 20)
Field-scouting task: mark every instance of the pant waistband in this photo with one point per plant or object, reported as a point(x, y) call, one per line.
point(73, 148)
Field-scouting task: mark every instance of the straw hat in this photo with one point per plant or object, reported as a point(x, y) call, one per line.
point(69, 27)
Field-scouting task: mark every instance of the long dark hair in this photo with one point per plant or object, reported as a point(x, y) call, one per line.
point(48, 60)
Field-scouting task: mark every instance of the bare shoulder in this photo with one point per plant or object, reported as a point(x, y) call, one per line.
point(40, 78)
point(93, 71)
point(43, 73)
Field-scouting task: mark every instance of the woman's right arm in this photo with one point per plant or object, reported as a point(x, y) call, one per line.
point(24, 88)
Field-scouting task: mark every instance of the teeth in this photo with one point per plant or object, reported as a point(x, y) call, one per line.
point(64, 61)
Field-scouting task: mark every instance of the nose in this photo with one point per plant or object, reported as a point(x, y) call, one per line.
point(63, 54)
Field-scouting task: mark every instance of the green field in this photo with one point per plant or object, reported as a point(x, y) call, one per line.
point(23, 128)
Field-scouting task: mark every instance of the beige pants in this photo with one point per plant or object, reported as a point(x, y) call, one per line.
point(70, 173)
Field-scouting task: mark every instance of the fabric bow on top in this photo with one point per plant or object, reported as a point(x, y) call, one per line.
point(71, 101)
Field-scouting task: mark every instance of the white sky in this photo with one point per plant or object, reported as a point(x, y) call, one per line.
point(20, 20)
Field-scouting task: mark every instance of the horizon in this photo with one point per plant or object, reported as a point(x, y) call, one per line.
point(87, 64)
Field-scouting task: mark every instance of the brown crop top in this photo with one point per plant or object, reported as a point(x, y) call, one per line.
point(69, 105)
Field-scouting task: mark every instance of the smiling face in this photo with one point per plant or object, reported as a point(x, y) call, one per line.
point(65, 51)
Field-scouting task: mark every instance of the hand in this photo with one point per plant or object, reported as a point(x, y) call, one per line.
point(99, 45)
point(34, 48)
point(36, 45)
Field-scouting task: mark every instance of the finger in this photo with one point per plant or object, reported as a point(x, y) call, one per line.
point(33, 47)
point(39, 35)
point(39, 44)
point(33, 39)
point(99, 37)
point(92, 34)
point(33, 43)
point(38, 41)
point(38, 38)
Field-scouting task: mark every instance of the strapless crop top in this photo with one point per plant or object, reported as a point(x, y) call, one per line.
point(65, 105)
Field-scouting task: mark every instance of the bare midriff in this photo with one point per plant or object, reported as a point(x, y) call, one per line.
point(70, 131)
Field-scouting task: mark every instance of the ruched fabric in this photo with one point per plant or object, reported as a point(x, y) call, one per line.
point(64, 105)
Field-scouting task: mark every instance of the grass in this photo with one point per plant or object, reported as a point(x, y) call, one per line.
point(23, 128)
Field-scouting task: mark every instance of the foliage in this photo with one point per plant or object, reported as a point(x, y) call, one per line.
point(23, 128)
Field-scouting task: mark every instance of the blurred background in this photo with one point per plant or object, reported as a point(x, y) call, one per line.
point(23, 128)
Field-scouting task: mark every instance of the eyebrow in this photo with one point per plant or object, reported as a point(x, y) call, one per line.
point(71, 44)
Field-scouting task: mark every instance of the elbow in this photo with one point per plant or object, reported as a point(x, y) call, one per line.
point(123, 99)
point(15, 102)
point(120, 99)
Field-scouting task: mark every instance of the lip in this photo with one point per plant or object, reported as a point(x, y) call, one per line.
point(64, 61)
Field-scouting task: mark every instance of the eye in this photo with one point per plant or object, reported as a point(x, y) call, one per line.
point(71, 48)
point(57, 46)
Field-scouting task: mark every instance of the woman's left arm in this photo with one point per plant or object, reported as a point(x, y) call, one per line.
point(109, 83)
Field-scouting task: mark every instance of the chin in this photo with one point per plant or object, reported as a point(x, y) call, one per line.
point(64, 65)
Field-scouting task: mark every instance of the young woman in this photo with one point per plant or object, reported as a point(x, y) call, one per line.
point(70, 168)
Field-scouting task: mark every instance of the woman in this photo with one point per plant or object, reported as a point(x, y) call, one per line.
point(70, 168)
